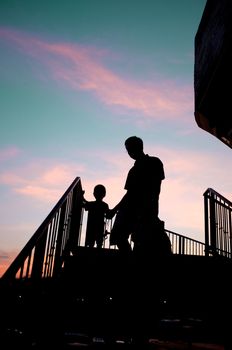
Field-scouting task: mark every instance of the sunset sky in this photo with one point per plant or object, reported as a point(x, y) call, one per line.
point(78, 77)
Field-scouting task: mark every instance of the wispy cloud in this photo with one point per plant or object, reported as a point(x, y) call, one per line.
point(9, 153)
point(40, 180)
point(82, 68)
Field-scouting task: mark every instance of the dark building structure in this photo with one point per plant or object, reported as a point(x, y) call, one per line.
point(213, 70)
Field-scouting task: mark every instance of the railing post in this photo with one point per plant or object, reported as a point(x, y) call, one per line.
point(206, 213)
point(37, 268)
point(181, 245)
point(212, 224)
point(76, 216)
point(230, 233)
point(57, 261)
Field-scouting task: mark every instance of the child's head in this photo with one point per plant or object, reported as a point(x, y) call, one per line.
point(99, 191)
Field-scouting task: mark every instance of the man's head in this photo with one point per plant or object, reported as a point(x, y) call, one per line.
point(134, 147)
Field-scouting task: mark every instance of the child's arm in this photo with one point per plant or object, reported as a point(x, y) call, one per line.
point(84, 201)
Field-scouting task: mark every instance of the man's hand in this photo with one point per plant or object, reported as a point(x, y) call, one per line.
point(110, 213)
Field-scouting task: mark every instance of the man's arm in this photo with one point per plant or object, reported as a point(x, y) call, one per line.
point(117, 207)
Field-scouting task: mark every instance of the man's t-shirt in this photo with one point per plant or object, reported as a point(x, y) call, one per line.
point(143, 183)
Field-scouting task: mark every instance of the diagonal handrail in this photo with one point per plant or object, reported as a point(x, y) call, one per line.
point(43, 254)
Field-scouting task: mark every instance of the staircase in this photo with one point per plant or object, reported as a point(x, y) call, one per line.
point(58, 292)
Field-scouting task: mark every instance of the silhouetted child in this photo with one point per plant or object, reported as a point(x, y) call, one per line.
point(97, 214)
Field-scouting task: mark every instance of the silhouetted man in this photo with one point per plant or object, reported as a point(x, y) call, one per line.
point(139, 207)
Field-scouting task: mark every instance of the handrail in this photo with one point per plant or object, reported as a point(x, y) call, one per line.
point(210, 192)
point(185, 245)
point(42, 255)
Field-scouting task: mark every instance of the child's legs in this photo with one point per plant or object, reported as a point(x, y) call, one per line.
point(90, 239)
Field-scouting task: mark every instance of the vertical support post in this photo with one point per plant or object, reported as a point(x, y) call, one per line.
point(57, 261)
point(212, 224)
point(230, 232)
point(37, 269)
point(206, 213)
point(76, 216)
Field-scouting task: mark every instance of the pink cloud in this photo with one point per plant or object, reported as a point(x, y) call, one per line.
point(9, 153)
point(60, 173)
point(49, 185)
point(41, 181)
point(40, 193)
point(81, 68)
point(11, 178)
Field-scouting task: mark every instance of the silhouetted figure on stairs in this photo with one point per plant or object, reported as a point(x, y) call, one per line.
point(97, 215)
point(137, 216)
point(137, 212)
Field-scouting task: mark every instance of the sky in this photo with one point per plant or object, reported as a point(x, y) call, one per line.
point(79, 77)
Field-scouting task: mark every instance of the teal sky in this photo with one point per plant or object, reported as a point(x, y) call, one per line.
point(79, 77)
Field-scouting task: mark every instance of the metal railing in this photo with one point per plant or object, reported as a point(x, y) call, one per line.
point(184, 245)
point(64, 229)
point(43, 255)
point(180, 244)
point(218, 224)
